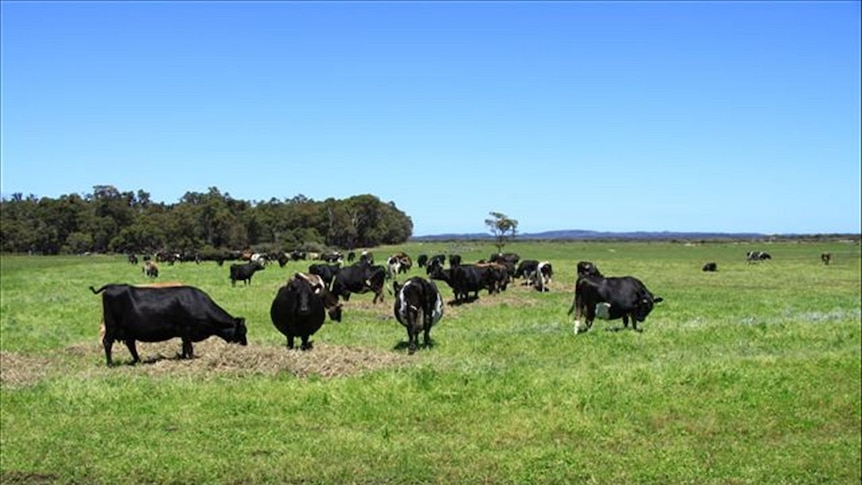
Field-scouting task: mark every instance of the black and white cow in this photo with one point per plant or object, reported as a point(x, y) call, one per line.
point(711, 266)
point(156, 314)
point(626, 297)
point(359, 278)
point(330, 301)
point(418, 307)
point(543, 276)
point(526, 268)
point(244, 272)
point(755, 256)
point(297, 311)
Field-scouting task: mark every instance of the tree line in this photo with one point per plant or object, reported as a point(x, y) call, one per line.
point(112, 221)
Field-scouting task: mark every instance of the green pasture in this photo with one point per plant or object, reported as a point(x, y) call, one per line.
point(749, 375)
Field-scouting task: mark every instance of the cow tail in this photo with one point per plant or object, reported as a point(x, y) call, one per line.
point(96, 292)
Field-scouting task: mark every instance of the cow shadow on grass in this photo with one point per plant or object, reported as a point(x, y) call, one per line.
point(404, 345)
point(464, 301)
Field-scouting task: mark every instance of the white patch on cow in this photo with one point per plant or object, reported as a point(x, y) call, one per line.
point(577, 326)
point(437, 313)
point(603, 310)
point(403, 306)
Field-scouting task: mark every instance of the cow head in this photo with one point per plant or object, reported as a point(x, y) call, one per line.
point(240, 331)
point(645, 306)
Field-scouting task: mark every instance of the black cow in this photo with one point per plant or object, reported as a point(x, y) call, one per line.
point(418, 306)
point(359, 278)
point(330, 301)
point(132, 259)
point(826, 258)
point(282, 259)
point(296, 255)
point(626, 297)
point(587, 268)
point(157, 314)
point(755, 256)
point(710, 267)
point(325, 271)
point(464, 279)
point(454, 260)
point(526, 268)
point(435, 264)
point(351, 256)
point(505, 258)
point(244, 272)
point(422, 260)
point(496, 276)
point(297, 311)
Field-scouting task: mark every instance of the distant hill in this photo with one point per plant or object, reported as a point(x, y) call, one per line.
point(576, 234)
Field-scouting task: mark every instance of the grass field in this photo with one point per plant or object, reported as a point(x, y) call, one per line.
point(749, 375)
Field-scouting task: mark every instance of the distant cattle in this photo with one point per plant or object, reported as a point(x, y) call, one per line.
point(366, 257)
point(710, 267)
point(297, 311)
point(626, 297)
point(454, 260)
point(351, 256)
point(422, 260)
point(151, 269)
point(399, 263)
point(132, 259)
point(296, 255)
point(282, 259)
point(755, 256)
point(156, 314)
point(418, 307)
point(826, 258)
point(332, 257)
point(505, 258)
point(359, 278)
point(243, 272)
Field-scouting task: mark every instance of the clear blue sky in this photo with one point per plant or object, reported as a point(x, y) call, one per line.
point(617, 116)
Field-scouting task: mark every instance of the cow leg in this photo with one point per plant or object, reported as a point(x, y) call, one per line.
point(427, 336)
point(411, 340)
point(290, 341)
point(188, 350)
point(306, 345)
point(130, 343)
point(108, 344)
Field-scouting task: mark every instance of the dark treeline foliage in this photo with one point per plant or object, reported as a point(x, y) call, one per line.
point(112, 221)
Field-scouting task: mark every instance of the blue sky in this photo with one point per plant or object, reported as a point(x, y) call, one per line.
point(609, 116)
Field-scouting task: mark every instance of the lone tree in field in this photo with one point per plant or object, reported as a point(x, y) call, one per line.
point(502, 227)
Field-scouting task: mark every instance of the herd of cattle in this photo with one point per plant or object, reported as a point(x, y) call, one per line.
point(160, 312)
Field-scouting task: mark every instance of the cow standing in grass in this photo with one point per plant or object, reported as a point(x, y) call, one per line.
point(418, 307)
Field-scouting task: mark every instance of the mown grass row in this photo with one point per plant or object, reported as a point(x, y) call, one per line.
point(748, 375)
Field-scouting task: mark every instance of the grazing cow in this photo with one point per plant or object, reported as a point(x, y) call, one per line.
point(151, 269)
point(330, 301)
point(422, 260)
point(626, 297)
point(587, 268)
point(398, 263)
point(467, 278)
point(157, 314)
point(543, 276)
point(526, 269)
point(163, 284)
point(359, 278)
point(132, 259)
point(297, 311)
point(496, 276)
point(326, 271)
point(418, 307)
point(826, 258)
point(243, 272)
point(710, 267)
point(755, 256)
point(333, 257)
